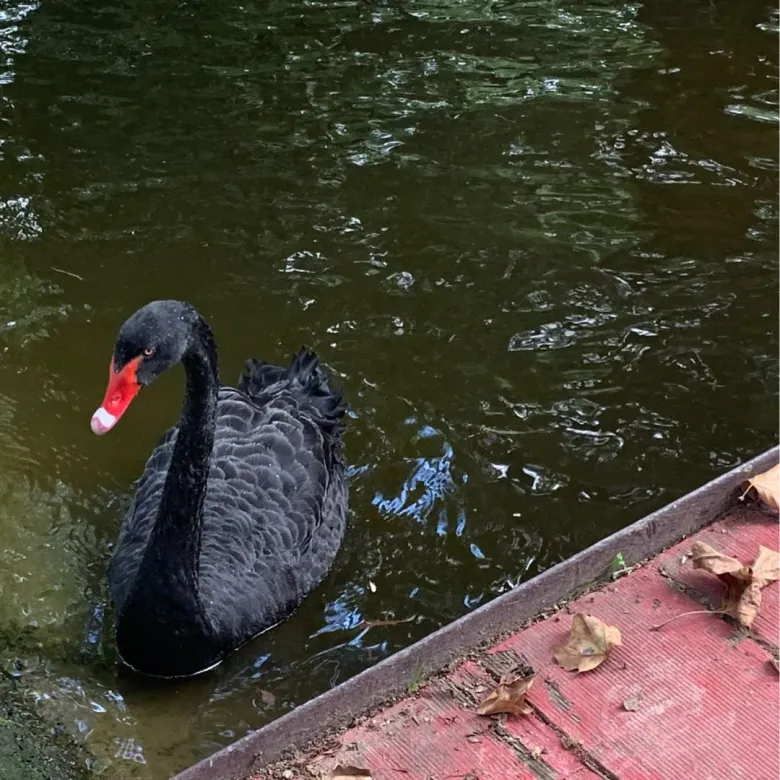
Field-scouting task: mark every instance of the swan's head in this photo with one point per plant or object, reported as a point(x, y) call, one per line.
point(155, 338)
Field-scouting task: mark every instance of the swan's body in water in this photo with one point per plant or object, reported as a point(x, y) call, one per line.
point(241, 509)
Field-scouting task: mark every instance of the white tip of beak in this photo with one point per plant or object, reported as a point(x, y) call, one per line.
point(102, 421)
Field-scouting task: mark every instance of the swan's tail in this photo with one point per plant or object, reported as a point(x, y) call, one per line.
point(304, 379)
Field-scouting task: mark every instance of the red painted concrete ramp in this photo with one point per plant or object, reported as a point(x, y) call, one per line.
point(697, 699)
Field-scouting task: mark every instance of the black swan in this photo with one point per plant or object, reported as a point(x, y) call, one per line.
point(242, 506)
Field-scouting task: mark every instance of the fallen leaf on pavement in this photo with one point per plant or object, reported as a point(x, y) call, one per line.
point(350, 773)
point(767, 486)
point(766, 567)
point(742, 599)
point(709, 559)
point(508, 696)
point(633, 704)
point(588, 645)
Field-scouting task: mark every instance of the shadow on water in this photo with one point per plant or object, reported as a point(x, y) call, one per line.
point(536, 243)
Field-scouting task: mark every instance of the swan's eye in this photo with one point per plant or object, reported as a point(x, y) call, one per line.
point(149, 351)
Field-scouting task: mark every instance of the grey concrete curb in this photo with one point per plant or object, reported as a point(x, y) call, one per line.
point(391, 677)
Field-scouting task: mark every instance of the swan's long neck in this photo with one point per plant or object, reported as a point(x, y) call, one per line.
point(173, 550)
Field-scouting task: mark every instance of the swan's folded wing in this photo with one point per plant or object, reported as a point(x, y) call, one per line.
point(264, 542)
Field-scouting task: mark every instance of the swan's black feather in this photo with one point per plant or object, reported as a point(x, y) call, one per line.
point(275, 504)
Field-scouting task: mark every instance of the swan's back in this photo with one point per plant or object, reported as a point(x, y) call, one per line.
point(275, 505)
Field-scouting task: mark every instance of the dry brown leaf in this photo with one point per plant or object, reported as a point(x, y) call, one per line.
point(267, 698)
point(742, 599)
point(766, 567)
point(708, 558)
point(588, 645)
point(767, 486)
point(508, 696)
point(633, 704)
point(745, 607)
point(350, 773)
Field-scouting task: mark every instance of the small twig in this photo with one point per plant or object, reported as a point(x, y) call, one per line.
point(68, 273)
point(378, 623)
point(684, 614)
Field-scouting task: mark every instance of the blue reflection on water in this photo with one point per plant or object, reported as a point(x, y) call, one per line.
point(432, 475)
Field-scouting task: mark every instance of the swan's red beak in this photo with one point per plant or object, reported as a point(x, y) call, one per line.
point(122, 388)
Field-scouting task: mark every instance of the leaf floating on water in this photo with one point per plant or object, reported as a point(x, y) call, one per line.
point(509, 697)
point(589, 644)
point(350, 773)
point(767, 486)
point(267, 698)
point(633, 704)
point(742, 599)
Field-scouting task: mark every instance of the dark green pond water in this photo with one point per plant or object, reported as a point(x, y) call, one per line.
point(536, 242)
